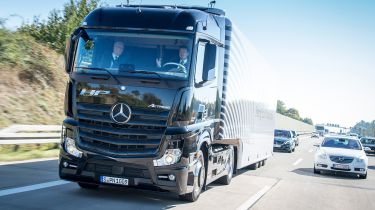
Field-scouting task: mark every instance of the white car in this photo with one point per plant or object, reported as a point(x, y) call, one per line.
point(341, 153)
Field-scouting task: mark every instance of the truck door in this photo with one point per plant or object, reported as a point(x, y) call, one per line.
point(206, 83)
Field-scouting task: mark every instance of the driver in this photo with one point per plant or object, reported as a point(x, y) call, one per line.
point(182, 61)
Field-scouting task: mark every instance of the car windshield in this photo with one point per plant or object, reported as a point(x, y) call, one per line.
point(342, 143)
point(281, 139)
point(367, 141)
point(282, 133)
point(133, 54)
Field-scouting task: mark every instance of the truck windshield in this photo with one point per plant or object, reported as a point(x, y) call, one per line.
point(134, 54)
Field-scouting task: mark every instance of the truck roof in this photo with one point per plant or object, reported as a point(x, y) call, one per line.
point(159, 17)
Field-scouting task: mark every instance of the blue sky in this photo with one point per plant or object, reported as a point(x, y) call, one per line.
point(322, 51)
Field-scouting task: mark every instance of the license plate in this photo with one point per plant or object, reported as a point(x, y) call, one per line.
point(114, 180)
point(340, 166)
point(276, 145)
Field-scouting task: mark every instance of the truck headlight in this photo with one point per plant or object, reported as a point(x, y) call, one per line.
point(70, 147)
point(171, 156)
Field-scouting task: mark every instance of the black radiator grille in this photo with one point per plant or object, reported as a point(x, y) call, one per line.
point(140, 136)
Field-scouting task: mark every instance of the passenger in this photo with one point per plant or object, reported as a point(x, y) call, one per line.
point(182, 62)
point(116, 58)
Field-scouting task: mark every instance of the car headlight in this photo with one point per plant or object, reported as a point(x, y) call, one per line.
point(360, 160)
point(70, 147)
point(322, 156)
point(171, 156)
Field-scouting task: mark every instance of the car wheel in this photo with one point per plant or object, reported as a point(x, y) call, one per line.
point(199, 181)
point(229, 167)
point(363, 176)
point(316, 171)
point(88, 186)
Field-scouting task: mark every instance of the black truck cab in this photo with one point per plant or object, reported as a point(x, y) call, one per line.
point(144, 99)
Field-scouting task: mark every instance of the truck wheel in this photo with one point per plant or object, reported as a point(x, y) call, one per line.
point(198, 183)
point(229, 167)
point(88, 186)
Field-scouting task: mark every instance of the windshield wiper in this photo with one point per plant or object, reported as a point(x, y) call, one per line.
point(101, 69)
point(143, 72)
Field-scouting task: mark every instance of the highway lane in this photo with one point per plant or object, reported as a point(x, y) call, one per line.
point(287, 182)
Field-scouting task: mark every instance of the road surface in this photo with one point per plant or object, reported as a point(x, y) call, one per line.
point(286, 181)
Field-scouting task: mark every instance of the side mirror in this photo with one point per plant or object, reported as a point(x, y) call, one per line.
point(70, 46)
point(366, 149)
point(68, 55)
point(209, 65)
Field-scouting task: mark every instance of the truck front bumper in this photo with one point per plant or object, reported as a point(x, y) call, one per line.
point(140, 172)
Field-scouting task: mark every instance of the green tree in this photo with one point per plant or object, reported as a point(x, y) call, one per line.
point(308, 121)
point(280, 107)
point(293, 113)
point(60, 23)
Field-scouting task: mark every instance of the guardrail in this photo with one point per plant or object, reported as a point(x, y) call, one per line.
point(39, 134)
point(30, 134)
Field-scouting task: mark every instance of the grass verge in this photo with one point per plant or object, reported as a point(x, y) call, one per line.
point(28, 151)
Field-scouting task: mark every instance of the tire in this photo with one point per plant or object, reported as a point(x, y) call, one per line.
point(225, 180)
point(199, 183)
point(253, 166)
point(88, 186)
point(294, 149)
point(290, 151)
point(316, 171)
point(264, 162)
point(363, 176)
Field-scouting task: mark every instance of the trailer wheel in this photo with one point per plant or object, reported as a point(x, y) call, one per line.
point(253, 166)
point(198, 183)
point(264, 162)
point(229, 167)
point(88, 186)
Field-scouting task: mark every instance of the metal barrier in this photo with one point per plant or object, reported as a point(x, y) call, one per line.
point(30, 134)
point(39, 134)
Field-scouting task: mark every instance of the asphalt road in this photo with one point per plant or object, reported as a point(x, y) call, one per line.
point(286, 182)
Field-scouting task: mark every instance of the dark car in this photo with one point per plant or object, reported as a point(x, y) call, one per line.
point(287, 134)
point(315, 135)
point(284, 144)
point(368, 142)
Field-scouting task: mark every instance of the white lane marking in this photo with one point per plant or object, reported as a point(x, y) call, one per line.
point(253, 199)
point(27, 161)
point(32, 187)
point(311, 150)
point(297, 161)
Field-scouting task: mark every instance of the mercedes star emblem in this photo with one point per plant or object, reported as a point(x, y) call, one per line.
point(121, 113)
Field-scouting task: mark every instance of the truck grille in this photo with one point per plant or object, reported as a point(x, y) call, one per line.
point(141, 136)
point(341, 159)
